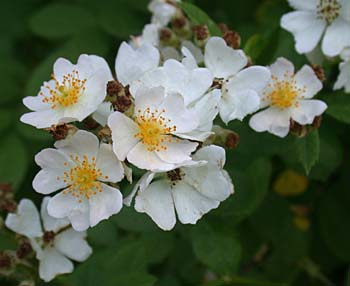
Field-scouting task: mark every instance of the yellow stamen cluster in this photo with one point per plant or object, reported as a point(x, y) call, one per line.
point(82, 178)
point(154, 130)
point(285, 92)
point(328, 10)
point(66, 93)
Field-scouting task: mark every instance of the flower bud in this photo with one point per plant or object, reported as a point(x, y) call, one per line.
point(5, 260)
point(201, 35)
point(181, 26)
point(232, 39)
point(62, 131)
point(168, 38)
point(319, 72)
point(224, 137)
point(120, 97)
point(24, 249)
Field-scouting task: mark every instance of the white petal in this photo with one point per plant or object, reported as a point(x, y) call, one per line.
point(337, 37)
point(81, 143)
point(307, 80)
point(148, 160)
point(91, 64)
point(65, 205)
point(191, 205)
point(150, 34)
point(61, 68)
point(123, 134)
point(170, 53)
point(188, 61)
point(26, 220)
point(177, 152)
point(105, 204)
point(157, 202)
point(237, 105)
point(272, 120)
point(149, 98)
point(306, 27)
point(222, 60)
point(194, 50)
point(52, 263)
point(130, 64)
point(214, 155)
point(310, 5)
point(44, 118)
point(50, 223)
point(141, 185)
point(253, 78)
point(35, 103)
point(343, 80)
point(102, 113)
point(307, 110)
point(282, 67)
point(111, 168)
point(73, 245)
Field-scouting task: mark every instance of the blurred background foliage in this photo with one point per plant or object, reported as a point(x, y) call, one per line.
point(283, 226)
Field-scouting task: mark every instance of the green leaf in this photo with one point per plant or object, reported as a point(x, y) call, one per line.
point(199, 17)
point(5, 119)
point(251, 186)
point(104, 234)
point(122, 25)
point(334, 215)
point(255, 46)
point(58, 20)
point(13, 161)
point(308, 149)
point(158, 245)
point(220, 252)
point(339, 107)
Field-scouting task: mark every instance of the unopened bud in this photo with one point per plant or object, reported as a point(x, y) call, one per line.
point(24, 249)
point(120, 97)
point(8, 206)
point(232, 39)
point(225, 137)
point(201, 35)
point(181, 26)
point(5, 260)
point(62, 131)
point(168, 38)
point(319, 72)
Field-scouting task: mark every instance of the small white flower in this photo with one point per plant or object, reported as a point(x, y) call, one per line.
point(55, 244)
point(81, 166)
point(131, 63)
point(162, 12)
point(343, 80)
point(191, 191)
point(151, 139)
point(240, 86)
point(288, 97)
point(74, 92)
point(315, 18)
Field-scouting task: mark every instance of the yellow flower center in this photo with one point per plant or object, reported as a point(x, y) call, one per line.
point(284, 93)
point(154, 130)
point(82, 179)
point(328, 10)
point(67, 93)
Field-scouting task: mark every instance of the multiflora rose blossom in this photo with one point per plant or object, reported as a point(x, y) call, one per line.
point(73, 93)
point(343, 80)
point(240, 85)
point(55, 243)
point(191, 191)
point(288, 96)
point(83, 168)
point(315, 18)
point(152, 138)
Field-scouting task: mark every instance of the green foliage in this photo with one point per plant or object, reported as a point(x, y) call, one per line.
point(339, 107)
point(199, 17)
point(308, 149)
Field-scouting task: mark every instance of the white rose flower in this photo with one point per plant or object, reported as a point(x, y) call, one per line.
point(315, 19)
point(288, 97)
point(55, 244)
point(162, 12)
point(343, 80)
point(152, 138)
point(73, 93)
point(191, 191)
point(240, 86)
point(82, 167)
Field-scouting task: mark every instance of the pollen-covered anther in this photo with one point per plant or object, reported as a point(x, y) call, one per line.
point(154, 129)
point(285, 92)
point(328, 10)
point(82, 178)
point(66, 93)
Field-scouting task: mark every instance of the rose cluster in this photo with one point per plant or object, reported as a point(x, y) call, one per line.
point(155, 113)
